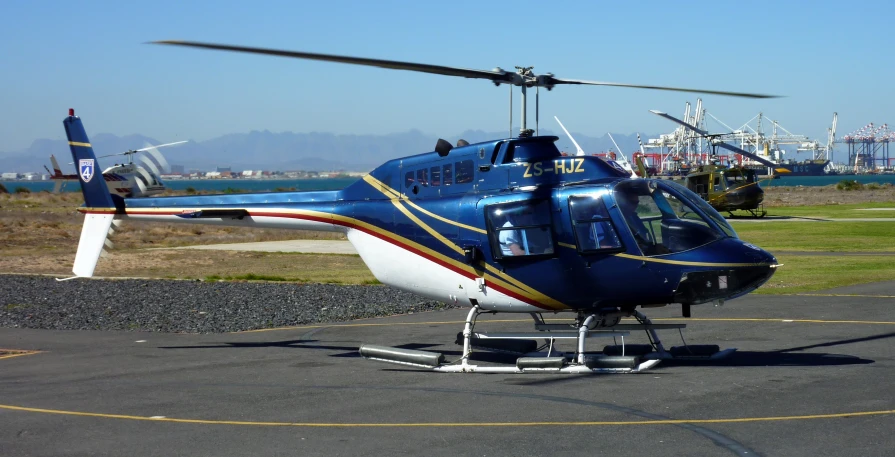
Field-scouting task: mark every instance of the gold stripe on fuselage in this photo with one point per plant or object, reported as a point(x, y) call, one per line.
point(495, 273)
point(392, 193)
point(684, 262)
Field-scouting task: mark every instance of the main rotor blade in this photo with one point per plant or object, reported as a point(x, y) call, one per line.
point(116, 154)
point(134, 151)
point(722, 144)
point(552, 81)
point(159, 146)
point(495, 75)
point(679, 121)
point(752, 156)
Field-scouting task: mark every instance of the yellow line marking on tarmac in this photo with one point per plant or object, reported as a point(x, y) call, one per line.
point(800, 321)
point(691, 319)
point(16, 353)
point(448, 424)
point(841, 295)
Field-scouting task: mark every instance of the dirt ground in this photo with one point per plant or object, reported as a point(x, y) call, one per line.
point(39, 234)
point(825, 195)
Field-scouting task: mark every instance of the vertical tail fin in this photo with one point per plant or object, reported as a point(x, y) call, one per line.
point(100, 208)
point(93, 185)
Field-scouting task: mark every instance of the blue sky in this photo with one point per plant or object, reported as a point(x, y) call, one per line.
point(90, 55)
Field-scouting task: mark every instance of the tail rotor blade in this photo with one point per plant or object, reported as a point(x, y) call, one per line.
point(159, 159)
point(148, 163)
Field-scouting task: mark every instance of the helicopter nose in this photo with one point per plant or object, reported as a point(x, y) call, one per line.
point(742, 268)
point(746, 193)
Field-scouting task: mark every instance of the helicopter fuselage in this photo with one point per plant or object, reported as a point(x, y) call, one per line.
point(438, 224)
point(726, 189)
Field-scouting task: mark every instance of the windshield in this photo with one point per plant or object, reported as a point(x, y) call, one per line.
point(734, 179)
point(662, 220)
point(698, 202)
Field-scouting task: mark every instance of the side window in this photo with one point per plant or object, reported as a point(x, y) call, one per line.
point(448, 174)
point(436, 176)
point(520, 229)
point(593, 228)
point(422, 176)
point(464, 171)
point(494, 153)
point(408, 179)
point(508, 157)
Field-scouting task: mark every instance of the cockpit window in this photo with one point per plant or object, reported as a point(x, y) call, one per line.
point(520, 229)
point(734, 178)
point(593, 228)
point(662, 221)
point(695, 200)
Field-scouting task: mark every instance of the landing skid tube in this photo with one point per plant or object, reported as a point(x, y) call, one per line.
point(755, 213)
point(614, 359)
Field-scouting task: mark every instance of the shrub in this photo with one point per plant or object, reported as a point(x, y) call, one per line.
point(848, 184)
point(23, 190)
point(3, 189)
point(191, 190)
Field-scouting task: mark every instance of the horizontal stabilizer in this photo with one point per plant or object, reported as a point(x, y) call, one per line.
point(93, 238)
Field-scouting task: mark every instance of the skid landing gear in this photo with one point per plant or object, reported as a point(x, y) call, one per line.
point(755, 213)
point(545, 358)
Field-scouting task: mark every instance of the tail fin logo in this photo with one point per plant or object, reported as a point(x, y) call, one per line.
point(86, 166)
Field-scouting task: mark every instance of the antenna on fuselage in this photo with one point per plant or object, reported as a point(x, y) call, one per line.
point(626, 164)
point(580, 151)
point(522, 77)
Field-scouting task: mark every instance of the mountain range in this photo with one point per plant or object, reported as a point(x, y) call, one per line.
point(265, 150)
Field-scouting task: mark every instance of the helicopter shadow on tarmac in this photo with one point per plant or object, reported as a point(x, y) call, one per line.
point(787, 357)
point(790, 356)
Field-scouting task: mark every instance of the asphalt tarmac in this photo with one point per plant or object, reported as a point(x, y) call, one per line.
point(812, 376)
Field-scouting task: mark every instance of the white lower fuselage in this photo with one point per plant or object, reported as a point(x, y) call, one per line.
point(389, 261)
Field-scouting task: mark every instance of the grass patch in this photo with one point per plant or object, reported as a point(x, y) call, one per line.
point(809, 273)
point(819, 236)
point(834, 211)
point(260, 277)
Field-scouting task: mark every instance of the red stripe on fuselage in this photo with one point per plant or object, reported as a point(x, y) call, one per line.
point(383, 236)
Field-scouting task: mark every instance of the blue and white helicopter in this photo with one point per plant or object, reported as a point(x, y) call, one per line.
point(506, 226)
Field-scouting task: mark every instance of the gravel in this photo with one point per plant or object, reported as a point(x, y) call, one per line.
point(160, 305)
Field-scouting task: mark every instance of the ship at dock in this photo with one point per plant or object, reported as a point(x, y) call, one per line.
point(681, 150)
point(811, 167)
point(807, 168)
